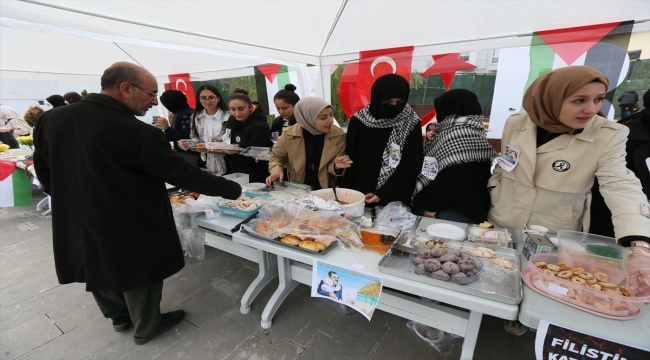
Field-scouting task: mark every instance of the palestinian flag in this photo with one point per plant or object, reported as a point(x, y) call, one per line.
point(602, 46)
point(15, 187)
point(271, 78)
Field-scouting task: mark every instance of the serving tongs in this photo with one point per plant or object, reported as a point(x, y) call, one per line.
point(404, 244)
point(336, 198)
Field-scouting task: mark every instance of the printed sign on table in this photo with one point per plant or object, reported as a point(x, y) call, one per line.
point(557, 343)
point(353, 288)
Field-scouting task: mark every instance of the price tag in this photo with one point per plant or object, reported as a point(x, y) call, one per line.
point(558, 289)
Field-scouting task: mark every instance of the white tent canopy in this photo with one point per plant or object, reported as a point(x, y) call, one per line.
point(49, 39)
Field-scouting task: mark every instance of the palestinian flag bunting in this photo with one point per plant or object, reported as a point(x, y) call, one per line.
point(271, 78)
point(15, 187)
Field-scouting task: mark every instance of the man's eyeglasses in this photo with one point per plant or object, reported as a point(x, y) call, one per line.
point(209, 98)
point(152, 94)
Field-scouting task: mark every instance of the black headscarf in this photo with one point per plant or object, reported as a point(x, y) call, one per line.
point(56, 100)
point(457, 102)
point(385, 88)
point(174, 101)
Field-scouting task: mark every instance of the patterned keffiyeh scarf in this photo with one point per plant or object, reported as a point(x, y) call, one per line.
point(458, 140)
point(402, 126)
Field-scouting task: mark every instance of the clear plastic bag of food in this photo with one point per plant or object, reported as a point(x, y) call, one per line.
point(191, 236)
point(216, 164)
point(277, 219)
point(396, 215)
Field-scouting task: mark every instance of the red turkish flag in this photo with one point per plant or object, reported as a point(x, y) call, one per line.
point(375, 63)
point(181, 82)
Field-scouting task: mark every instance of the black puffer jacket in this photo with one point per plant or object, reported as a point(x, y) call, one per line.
point(278, 124)
point(629, 97)
point(255, 131)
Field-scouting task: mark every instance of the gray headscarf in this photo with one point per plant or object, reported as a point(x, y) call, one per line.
point(306, 111)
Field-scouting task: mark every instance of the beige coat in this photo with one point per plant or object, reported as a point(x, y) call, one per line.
point(290, 151)
point(533, 193)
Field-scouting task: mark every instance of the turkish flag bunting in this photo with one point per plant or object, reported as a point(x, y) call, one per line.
point(181, 82)
point(375, 63)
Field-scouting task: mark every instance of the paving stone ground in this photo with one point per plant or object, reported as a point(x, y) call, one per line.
point(41, 319)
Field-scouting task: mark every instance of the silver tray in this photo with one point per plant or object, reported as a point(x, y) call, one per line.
point(494, 283)
point(277, 241)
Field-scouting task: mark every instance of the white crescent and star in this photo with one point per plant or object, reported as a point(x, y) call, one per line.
point(184, 85)
point(381, 59)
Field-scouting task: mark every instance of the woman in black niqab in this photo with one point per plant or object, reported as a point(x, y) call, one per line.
point(384, 141)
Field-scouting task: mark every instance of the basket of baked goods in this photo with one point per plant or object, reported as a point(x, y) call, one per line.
point(449, 265)
point(586, 285)
point(244, 207)
point(302, 228)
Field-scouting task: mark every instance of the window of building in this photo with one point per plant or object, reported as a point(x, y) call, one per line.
point(495, 57)
point(634, 54)
point(464, 56)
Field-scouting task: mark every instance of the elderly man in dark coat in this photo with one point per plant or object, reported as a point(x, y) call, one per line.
point(113, 227)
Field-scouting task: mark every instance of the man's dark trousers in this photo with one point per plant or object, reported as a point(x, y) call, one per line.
point(142, 305)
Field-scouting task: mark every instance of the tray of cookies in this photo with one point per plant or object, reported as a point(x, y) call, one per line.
point(449, 265)
point(499, 280)
point(586, 285)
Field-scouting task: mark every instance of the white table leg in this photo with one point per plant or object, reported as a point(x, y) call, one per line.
point(41, 204)
point(268, 265)
point(286, 286)
point(471, 335)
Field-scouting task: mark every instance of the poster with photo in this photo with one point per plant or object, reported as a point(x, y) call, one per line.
point(350, 287)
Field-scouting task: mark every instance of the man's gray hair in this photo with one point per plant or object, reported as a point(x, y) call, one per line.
point(117, 74)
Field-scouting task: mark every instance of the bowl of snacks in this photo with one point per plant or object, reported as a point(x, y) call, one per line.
point(449, 265)
point(352, 201)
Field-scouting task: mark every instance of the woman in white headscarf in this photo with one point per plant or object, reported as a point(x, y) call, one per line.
point(313, 149)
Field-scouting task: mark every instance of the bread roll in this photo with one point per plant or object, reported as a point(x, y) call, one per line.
point(264, 228)
point(291, 240)
point(309, 245)
point(321, 246)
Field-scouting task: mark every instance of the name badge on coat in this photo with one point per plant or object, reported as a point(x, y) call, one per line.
point(226, 137)
point(395, 155)
point(509, 160)
point(430, 167)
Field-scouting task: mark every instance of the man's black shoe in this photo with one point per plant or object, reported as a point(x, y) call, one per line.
point(122, 323)
point(169, 321)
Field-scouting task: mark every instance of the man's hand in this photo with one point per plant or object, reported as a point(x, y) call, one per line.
point(430, 214)
point(342, 162)
point(275, 176)
point(184, 144)
point(6, 130)
point(164, 124)
point(372, 198)
point(333, 295)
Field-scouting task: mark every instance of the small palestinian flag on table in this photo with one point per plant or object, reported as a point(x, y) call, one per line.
point(15, 187)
